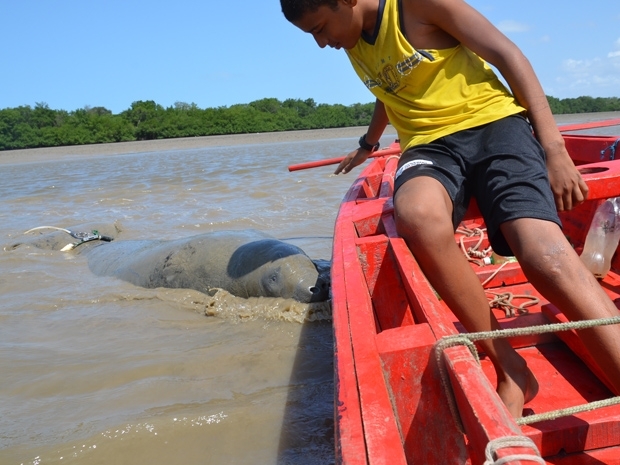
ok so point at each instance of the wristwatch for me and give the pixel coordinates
(366, 146)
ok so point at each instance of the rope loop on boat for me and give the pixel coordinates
(468, 339)
(441, 345)
(490, 451)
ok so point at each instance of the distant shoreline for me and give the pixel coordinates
(52, 154)
(121, 148)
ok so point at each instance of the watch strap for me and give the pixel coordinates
(366, 146)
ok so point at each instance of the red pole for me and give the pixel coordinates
(334, 161)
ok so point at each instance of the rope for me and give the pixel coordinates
(511, 441)
(503, 301)
(473, 253)
(81, 236)
(468, 339)
(564, 412)
(499, 268)
(48, 227)
(612, 150)
(441, 345)
(538, 329)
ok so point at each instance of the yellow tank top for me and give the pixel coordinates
(428, 94)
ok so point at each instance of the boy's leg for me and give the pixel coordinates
(555, 269)
(423, 213)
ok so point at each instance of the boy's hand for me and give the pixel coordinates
(568, 187)
(353, 159)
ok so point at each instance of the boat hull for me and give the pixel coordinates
(391, 404)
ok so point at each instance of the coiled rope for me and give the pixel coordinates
(500, 300)
(503, 301)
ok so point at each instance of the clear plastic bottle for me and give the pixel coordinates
(602, 239)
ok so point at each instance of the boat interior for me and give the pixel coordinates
(395, 326)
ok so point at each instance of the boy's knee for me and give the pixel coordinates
(539, 244)
(419, 221)
(548, 257)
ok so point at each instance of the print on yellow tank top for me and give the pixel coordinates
(428, 94)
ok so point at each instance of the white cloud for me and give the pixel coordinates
(512, 26)
(594, 77)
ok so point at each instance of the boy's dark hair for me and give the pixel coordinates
(294, 10)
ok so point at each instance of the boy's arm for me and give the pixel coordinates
(375, 129)
(465, 24)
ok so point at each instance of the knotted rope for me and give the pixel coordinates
(473, 253)
(503, 301)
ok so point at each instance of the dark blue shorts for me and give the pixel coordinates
(500, 164)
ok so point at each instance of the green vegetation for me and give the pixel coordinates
(583, 105)
(26, 127)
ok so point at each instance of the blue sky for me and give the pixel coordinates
(76, 53)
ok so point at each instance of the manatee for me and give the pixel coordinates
(245, 263)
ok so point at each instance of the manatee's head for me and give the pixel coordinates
(295, 277)
(271, 268)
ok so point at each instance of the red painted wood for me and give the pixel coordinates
(389, 302)
(349, 436)
(427, 426)
(590, 149)
(482, 413)
(390, 404)
(602, 179)
(608, 456)
(591, 125)
(383, 443)
(572, 340)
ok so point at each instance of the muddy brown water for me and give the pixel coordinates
(94, 370)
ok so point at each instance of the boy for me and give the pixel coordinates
(463, 134)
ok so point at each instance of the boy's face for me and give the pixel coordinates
(340, 28)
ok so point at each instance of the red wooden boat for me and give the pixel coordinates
(393, 406)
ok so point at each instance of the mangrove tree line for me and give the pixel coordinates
(41, 126)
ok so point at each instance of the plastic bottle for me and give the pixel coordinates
(602, 239)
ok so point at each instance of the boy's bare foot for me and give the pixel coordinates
(517, 390)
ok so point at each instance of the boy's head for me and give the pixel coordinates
(334, 23)
(294, 10)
